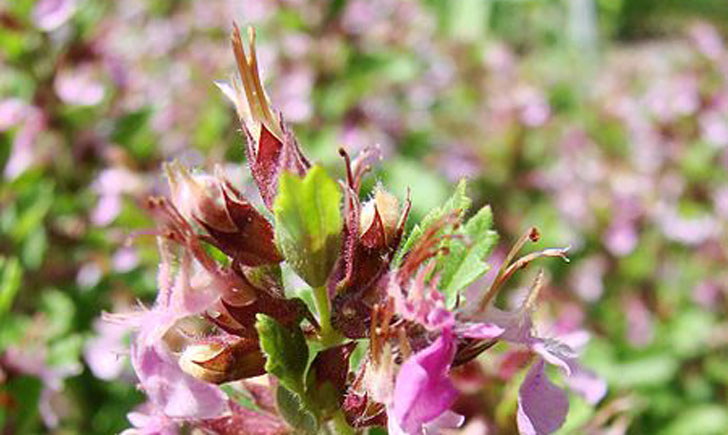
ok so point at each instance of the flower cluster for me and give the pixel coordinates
(228, 307)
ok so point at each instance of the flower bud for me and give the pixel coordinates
(220, 362)
(198, 197)
(386, 206)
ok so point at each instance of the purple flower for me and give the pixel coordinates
(542, 406)
(423, 391)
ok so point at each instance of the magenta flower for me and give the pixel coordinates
(423, 391)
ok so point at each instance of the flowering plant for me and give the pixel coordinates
(382, 322)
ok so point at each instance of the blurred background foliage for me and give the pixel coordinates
(602, 122)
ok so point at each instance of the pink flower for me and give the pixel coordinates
(423, 303)
(423, 391)
(170, 390)
(79, 86)
(51, 14)
(23, 153)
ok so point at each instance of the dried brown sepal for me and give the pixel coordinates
(271, 147)
(252, 241)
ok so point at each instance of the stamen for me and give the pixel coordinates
(533, 235)
(349, 173)
(404, 345)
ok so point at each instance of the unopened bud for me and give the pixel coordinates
(387, 205)
(199, 197)
(218, 363)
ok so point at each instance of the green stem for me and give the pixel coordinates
(329, 336)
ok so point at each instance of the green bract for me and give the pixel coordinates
(308, 224)
(286, 352)
(458, 202)
(464, 263)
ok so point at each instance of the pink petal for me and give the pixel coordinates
(423, 391)
(542, 406)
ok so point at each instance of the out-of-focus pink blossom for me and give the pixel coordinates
(51, 14)
(534, 109)
(32, 361)
(24, 153)
(708, 40)
(110, 185)
(457, 162)
(621, 237)
(639, 322)
(124, 259)
(714, 129)
(79, 86)
(88, 275)
(293, 95)
(12, 111)
(720, 201)
(707, 294)
(587, 279)
(105, 352)
(689, 231)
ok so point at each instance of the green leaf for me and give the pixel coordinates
(12, 275)
(60, 312)
(240, 397)
(464, 263)
(308, 223)
(286, 352)
(65, 351)
(700, 419)
(295, 412)
(458, 201)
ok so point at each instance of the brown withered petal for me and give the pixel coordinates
(225, 361)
